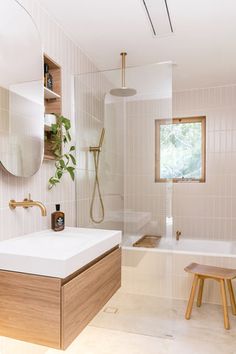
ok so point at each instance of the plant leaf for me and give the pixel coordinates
(59, 174)
(57, 153)
(71, 172)
(66, 156)
(54, 128)
(66, 123)
(59, 138)
(62, 163)
(73, 159)
(68, 136)
(52, 182)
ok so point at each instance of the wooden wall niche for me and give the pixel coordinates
(52, 103)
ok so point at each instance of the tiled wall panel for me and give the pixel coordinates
(207, 210)
(83, 101)
(147, 204)
(58, 46)
(93, 113)
(199, 210)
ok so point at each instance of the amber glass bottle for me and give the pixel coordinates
(58, 219)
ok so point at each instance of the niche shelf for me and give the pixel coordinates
(52, 103)
(50, 95)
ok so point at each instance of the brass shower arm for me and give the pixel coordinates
(123, 55)
(123, 91)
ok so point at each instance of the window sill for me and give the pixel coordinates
(163, 180)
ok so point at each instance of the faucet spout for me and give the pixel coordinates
(40, 205)
(177, 235)
(28, 203)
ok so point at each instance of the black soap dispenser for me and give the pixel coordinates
(58, 219)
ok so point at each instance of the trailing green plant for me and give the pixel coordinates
(65, 159)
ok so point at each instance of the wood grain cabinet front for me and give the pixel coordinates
(53, 311)
(86, 294)
(30, 308)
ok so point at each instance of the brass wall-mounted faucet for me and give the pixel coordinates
(28, 203)
(177, 235)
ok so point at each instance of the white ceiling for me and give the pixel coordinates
(202, 46)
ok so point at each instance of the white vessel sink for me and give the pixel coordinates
(56, 254)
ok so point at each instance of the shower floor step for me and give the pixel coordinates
(148, 241)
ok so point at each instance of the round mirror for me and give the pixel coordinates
(21, 91)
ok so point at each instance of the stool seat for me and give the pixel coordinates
(222, 275)
(211, 271)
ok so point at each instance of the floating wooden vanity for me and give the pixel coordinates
(52, 311)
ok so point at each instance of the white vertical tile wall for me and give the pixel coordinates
(58, 46)
(208, 210)
(199, 210)
(92, 114)
(147, 204)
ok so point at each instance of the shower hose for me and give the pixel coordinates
(96, 186)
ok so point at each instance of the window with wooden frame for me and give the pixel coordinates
(180, 150)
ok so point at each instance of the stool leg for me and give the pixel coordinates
(191, 298)
(200, 291)
(231, 294)
(224, 302)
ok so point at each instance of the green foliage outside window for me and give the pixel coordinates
(181, 151)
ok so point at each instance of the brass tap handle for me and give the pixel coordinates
(28, 200)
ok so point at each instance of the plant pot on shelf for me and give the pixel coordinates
(50, 119)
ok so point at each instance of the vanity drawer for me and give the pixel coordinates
(53, 311)
(87, 293)
(30, 308)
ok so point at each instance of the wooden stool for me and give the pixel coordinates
(222, 275)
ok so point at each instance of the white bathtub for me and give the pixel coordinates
(188, 246)
(160, 271)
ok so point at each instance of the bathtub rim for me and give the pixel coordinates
(172, 251)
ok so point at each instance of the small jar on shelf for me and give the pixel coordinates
(48, 79)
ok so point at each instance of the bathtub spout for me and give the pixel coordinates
(177, 235)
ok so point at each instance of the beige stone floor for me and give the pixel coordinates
(137, 324)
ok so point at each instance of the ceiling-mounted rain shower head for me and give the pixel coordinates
(123, 91)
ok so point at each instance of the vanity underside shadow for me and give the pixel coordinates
(53, 311)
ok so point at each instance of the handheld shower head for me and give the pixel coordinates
(102, 137)
(96, 156)
(99, 147)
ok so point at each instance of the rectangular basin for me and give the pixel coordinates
(56, 254)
